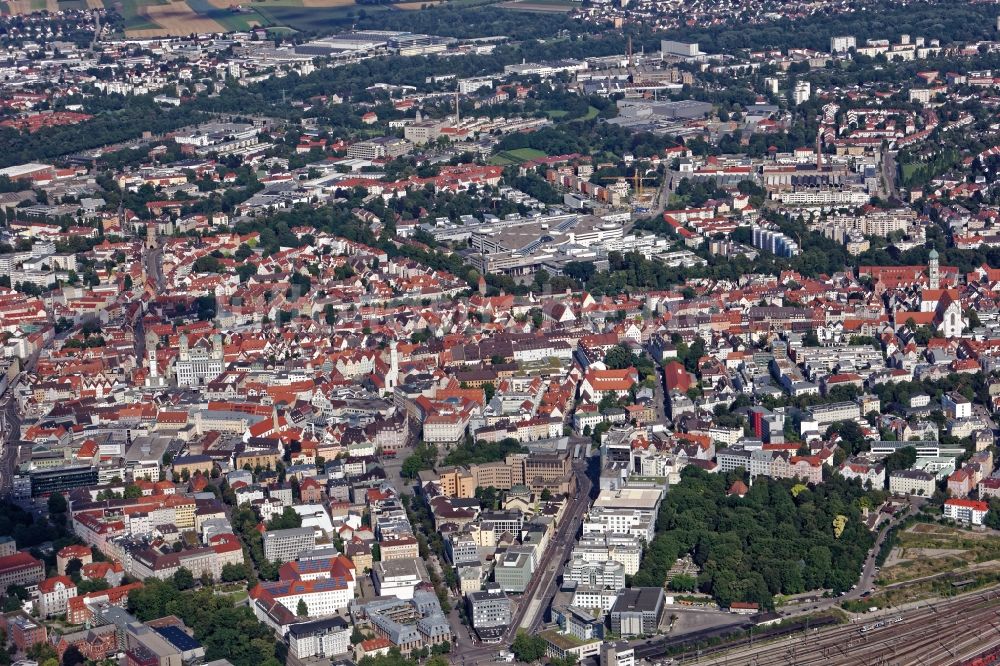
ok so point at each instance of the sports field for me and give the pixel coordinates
(544, 6)
(516, 156)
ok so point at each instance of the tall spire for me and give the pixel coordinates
(933, 270)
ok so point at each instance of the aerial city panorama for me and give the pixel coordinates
(485, 332)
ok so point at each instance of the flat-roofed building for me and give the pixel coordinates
(287, 545)
(637, 611)
(398, 578)
(491, 614)
(324, 638)
(513, 571)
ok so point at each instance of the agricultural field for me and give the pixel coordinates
(318, 16)
(162, 18)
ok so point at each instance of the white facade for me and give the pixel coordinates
(321, 597)
(966, 511)
(320, 643)
(802, 92)
(911, 482)
(53, 598)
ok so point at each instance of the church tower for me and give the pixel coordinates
(218, 351)
(392, 377)
(933, 270)
(153, 378)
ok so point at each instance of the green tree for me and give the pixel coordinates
(618, 358)
(850, 432)
(288, 519)
(527, 647)
(73, 568)
(992, 518)
(424, 457)
(683, 583)
(232, 572)
(41, 652)
(57, 503)
(301, 609)
(183, 579)
(900, 459)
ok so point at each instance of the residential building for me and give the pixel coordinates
(22, 630)
(53, 595)
(912, 482)
(967, 511)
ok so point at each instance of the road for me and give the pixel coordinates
(10, 432)
(557, 554)
(154, 268)
(659, 394)
(671, 179)
(531, 606)
(889, 174)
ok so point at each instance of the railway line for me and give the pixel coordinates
(934, 635)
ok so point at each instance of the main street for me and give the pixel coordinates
(557, 553)
(530, 607)
(10, 434)
(889, 169)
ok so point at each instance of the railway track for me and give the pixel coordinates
(939, 635)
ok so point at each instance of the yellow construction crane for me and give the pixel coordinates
(636, 178)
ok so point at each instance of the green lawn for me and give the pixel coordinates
(516, 156)
(909, 167)
(524, 154)
(561, 114)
